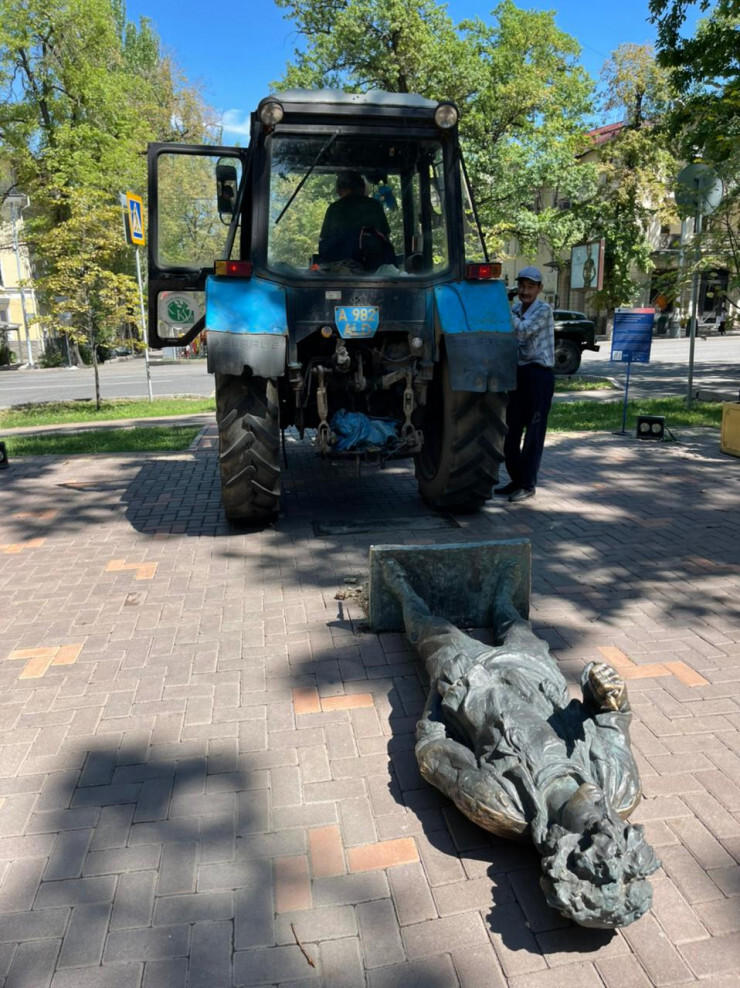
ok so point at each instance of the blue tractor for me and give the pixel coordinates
(338, 270)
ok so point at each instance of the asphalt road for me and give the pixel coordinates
(716, 369)
(124, 378)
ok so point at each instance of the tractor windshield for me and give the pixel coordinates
(357, 206)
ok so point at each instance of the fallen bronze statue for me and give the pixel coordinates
(500, 737)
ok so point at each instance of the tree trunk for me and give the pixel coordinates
(94, 357)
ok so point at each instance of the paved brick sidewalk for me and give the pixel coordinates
(206, 764)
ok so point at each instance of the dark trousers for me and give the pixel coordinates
(526, 416)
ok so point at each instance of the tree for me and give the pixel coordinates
(705, 69)
(705, 120)
(85, 286)
(84, 90)
(517, 81)
(636, 172)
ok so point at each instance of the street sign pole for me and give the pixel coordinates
(699, 189)
(133, 227)
(694, 306)
(143, 326)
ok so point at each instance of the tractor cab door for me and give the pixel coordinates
(198, 213)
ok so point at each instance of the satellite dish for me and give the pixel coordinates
(699, 189)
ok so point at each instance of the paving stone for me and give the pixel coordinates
(85, 937)
(411, 895)
(20, 885)
(75, 892)
(147, 944)
(689, 877)
(436, 971)
(37, 924)
(134, 900)
(437, 935)
(326, 852)
(254, 917)
(660, 958)
(175, 909)
(177, 871)
(274, 964)
(622, 972)
(559, 947)
(292, 883)
(710, 958)
(169, 973)
(314, 925)
(478, 966)
(579, 976)
(122, 859)
(210, 955)
(341, 964)
(68, 857)
(33, 964)
(110, 976)
(379, 935)
(350, 889)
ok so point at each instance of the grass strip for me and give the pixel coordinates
(66, 412)
(582, 384)
(143, 439)
(606, 416)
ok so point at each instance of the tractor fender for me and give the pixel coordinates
(246, 326)
(473, 322)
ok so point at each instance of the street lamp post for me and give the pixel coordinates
(19, 202)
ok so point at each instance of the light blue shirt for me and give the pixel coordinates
(535, 333)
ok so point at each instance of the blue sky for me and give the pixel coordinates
(236, 49)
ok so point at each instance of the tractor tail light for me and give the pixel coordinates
(234, 269)
(482, 272)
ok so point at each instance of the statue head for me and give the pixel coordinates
(597, 876)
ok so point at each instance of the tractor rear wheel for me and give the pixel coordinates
(248, 447)
(464, 432)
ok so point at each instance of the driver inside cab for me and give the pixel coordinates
(355, 232)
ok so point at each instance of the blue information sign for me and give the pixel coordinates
(632, 335)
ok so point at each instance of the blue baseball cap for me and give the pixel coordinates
(531, 274)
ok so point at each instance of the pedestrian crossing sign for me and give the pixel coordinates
(133, 210)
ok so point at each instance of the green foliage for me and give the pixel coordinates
(7, 356)
(54, 354)
(83, 91)
(704, 68)
(516, 79)
(705, 121)
(636, 171)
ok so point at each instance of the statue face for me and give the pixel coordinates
(585, 808)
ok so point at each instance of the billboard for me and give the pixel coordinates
(587, 266)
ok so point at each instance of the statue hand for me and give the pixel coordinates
(429, 730)
(607, 686)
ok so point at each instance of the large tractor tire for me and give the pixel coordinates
(463, 445)
(248, 447)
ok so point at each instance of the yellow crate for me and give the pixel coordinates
(730, 434)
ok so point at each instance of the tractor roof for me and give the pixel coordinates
(375, 97)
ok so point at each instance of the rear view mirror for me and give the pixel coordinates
(226, 187)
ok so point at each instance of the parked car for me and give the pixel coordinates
(574, 333)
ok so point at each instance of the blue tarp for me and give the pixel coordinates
(358, 431)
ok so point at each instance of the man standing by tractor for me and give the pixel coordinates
(529, 405)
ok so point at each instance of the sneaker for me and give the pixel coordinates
(522, 494)
(506, 489)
